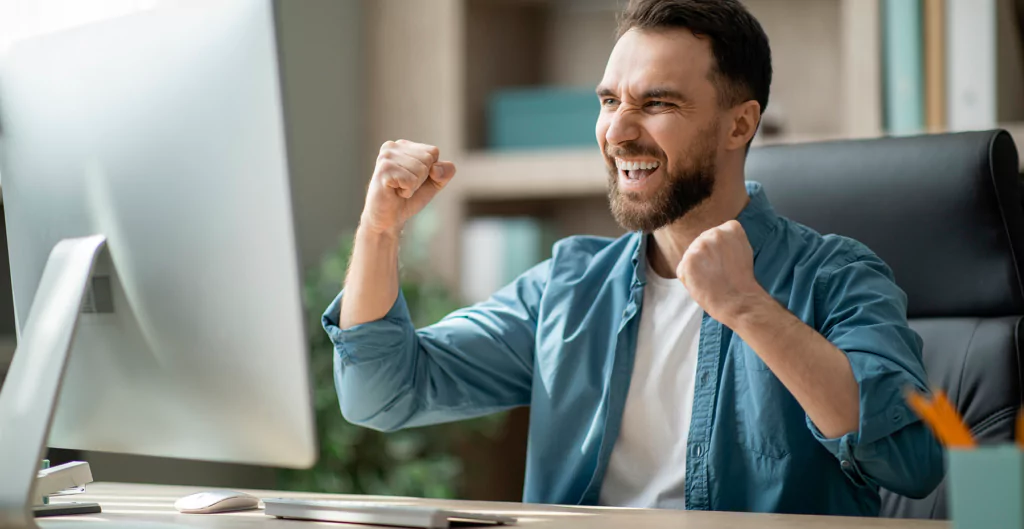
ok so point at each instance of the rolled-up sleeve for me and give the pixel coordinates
(475, 361)
(862, 311)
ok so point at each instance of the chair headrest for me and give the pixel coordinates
(943, 211)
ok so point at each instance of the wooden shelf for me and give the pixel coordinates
(554, 173)
(789, 139)
(574, 173)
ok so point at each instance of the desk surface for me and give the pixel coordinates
(155, 503)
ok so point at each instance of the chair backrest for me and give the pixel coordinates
(944, 212)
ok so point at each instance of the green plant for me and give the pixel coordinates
(420, 462)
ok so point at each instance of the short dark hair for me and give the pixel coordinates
(743, 59)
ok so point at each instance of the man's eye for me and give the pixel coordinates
(608, 102)
(657, 104)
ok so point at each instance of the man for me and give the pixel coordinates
(717, 357)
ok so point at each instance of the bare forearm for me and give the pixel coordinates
(816, 372)
(371, 286)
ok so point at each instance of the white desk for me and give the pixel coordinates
(154, 503)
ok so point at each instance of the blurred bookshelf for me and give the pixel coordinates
(510, 72)
(501, 86)
(529, 166)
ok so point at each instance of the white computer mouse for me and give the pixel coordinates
(212, 501)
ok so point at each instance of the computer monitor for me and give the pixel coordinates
(143, 169)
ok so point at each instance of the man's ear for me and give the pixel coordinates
(745, 118)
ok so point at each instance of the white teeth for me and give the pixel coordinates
(633, 166)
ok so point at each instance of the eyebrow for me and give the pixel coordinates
(664, 93)
(654, 93)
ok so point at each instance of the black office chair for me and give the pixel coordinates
(944, 211)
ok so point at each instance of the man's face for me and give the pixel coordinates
(658, 127)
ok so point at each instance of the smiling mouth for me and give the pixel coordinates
(636, 170)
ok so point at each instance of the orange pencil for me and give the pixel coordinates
(1020, 428)
(924, 409)
(958, 430)
(942, 418)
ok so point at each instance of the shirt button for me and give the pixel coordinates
(896, 415)
(704, 378)
(698, 451)
(845, 464)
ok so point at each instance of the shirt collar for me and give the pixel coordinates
(758, 219)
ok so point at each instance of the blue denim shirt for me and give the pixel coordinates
(561, 340)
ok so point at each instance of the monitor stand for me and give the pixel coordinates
(32, 386)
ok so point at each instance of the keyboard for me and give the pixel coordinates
(379, 513)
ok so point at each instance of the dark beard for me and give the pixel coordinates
(685, 188)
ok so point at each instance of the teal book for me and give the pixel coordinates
(903, 66)
(542, 117)
(528, 241)
(497, 250)
(522, 246)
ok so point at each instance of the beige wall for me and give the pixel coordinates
(323, 60)
(579, 37)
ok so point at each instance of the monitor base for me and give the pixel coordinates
(33, 383)
(65, 509)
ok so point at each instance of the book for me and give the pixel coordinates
(935, 65)
(542, 117)
(971, 64)
(903, 77)
(497, 250)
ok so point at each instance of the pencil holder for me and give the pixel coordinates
(986, 487)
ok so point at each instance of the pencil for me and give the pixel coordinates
(959, 432)
(1020, 428)
(942, 418)
(923, 408)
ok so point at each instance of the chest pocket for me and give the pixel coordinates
(769, 420)
(746, 357)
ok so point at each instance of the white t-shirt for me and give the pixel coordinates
(648, 462)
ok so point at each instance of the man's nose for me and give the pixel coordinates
(623, 128)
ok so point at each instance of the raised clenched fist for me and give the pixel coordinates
(718, 271)
(405, 179)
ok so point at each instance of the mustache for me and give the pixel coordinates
(633, 149)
